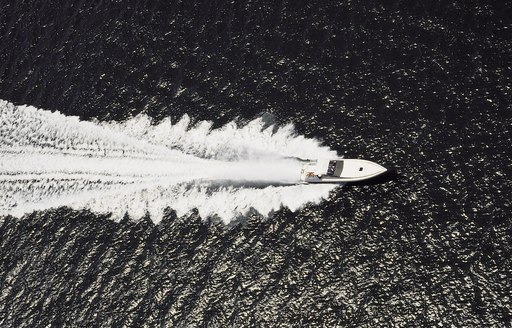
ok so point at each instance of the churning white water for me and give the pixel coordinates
(50, 160)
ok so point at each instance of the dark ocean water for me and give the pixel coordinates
(421, 86)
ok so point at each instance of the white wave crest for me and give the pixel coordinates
(139, 166)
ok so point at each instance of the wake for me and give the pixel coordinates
(137, 167)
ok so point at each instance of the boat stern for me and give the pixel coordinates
(307, 174)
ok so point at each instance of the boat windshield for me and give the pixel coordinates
(335, 168)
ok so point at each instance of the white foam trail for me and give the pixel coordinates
(227, 143)
(49, 160)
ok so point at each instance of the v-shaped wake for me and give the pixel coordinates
(49, 160)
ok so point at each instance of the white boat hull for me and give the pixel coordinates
(340, 170)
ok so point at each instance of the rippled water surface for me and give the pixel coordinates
(424, 87)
